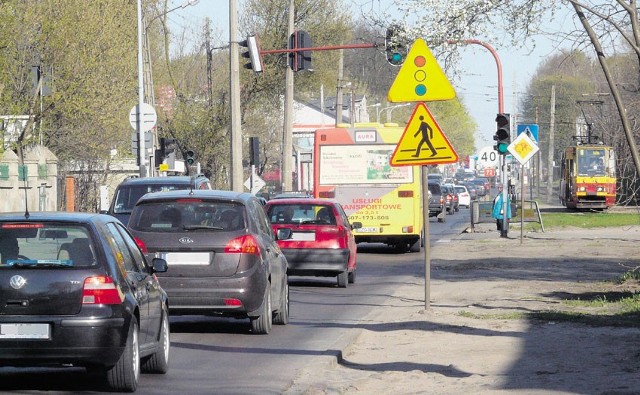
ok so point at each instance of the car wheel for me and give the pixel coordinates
(352, 277)
(261, 325)
(124, 375)
(158, 362)
(282, 315)
(343, 279)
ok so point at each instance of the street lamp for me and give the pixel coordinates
(141, 148)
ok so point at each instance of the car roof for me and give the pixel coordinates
(196, 193)
(301, 200)
(55, 216)
(161, 180)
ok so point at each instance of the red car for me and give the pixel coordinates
(322, 243)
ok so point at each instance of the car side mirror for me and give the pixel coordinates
(356, 225)
(159, 265)
(284, 234)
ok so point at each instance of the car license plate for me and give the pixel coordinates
(186, 258)
(303, 236)
(367, 230)
(25, 331)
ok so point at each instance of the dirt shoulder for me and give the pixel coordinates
(506, 316)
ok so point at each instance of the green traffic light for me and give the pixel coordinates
(502, 148)
(396, 58)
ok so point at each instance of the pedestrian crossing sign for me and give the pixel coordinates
(422, 142)
(420, 78)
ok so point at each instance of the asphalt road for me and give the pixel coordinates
(218, 355)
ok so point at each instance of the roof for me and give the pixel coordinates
(160, 180)
(301, 200)
(196, 193)
(53, 215)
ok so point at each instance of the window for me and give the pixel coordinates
(121, 250)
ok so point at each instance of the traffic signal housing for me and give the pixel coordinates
(191, 157)
(254, 151)
(299, 60)
(503, 134)
(394, 46)
(252, 53)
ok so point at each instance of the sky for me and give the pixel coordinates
(477, 84)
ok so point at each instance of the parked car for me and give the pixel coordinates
(437, 201)
(75, 290)
(222, 254)
(464, 198)
(451, 198)
(131, 189)
(322, 243)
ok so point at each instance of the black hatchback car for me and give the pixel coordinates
(222, 254)
(75, 289)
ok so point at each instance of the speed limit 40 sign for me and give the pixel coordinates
(488, 157)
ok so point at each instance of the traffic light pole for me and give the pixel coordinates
(504, 179)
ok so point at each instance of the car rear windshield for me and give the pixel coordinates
(45, 244)
(187, 215)
(435, 189)
(301, 214)
(128, 195)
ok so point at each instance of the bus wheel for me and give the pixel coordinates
(415, 247)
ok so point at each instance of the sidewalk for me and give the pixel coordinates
(489, 328)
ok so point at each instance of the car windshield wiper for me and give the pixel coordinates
(39, 263)
(201, 227)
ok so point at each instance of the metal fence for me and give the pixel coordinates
(529, 212)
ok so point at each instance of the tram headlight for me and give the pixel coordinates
(582, 189)
(600, 188)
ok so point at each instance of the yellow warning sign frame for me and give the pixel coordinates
(420, 78)
(423, 142)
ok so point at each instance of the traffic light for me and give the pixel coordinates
(394, 45)
(254, 154)
(503, 134)
(191, 157)
(300, 60)
(252, 53)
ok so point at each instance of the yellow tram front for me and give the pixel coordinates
(588, 177)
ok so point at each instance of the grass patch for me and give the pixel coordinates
(616, 308)
(589, 219)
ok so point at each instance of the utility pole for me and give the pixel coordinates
(339, 88)
(552, 126)
(236, 125)
(287, 132)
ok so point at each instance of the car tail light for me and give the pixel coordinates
(189, 200)
(245, 244)
(232, 302)
(22, 226)
(101, 290)
(141, 245)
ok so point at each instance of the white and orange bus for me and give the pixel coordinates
(351, 165)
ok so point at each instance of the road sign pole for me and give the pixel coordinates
(504, 229)
(427, 237)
